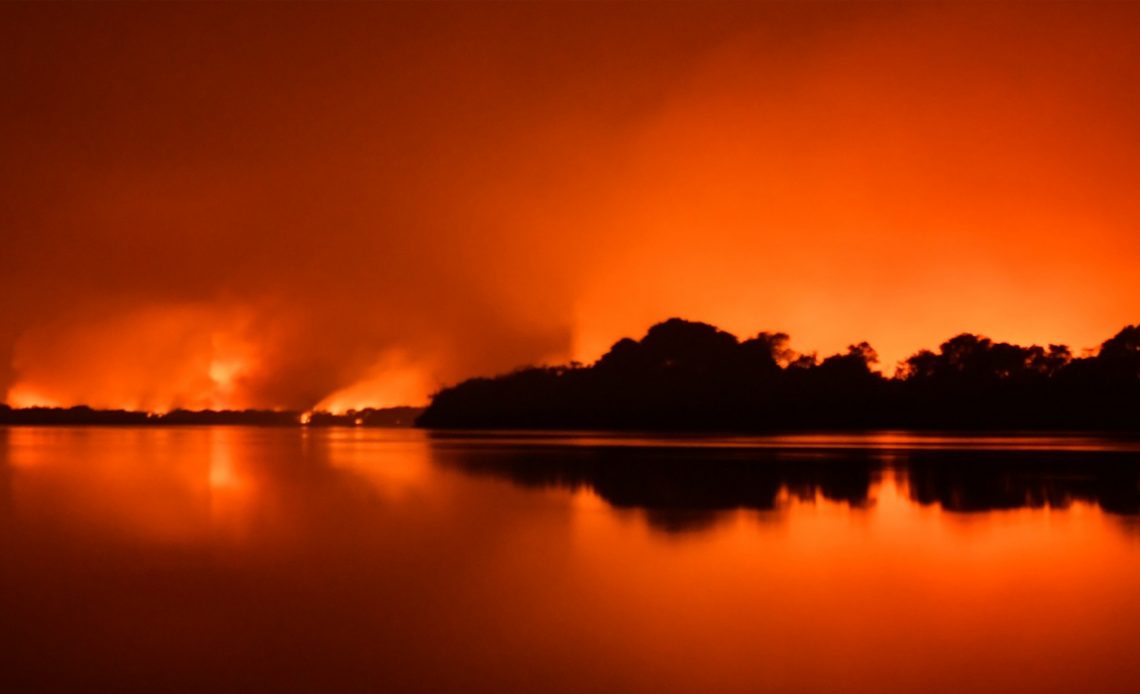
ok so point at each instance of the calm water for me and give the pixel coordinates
(231, 559)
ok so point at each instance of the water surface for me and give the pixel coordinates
(242, 559)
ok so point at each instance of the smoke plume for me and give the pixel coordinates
(343, 205)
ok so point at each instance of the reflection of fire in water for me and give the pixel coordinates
(395, 462)
(230, 490)
(221, 474)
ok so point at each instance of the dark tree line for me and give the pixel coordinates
(687, 375)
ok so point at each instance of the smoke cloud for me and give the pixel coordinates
(349, 205)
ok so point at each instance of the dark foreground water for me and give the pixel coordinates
(233, 559)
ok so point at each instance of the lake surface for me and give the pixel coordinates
(246, 559)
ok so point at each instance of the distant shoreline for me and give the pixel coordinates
(87, 416)
(686, 376)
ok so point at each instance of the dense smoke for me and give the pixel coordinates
(286, 206)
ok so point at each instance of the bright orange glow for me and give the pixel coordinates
(389, 383)
(24, 396)
(269, 223)
(153, 358)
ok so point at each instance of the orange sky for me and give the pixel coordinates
(282, 206)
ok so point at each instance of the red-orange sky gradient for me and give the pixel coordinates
(272, 205)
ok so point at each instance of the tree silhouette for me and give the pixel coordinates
(690, 375)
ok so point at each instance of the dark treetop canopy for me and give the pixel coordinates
(687, 375)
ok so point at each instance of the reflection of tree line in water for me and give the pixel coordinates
(683, 488)
(686, 375)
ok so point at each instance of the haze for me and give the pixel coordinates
(290, 206)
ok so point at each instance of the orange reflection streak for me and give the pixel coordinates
(163, 485)
(871, 440)
(394, 462)
(232, 490)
